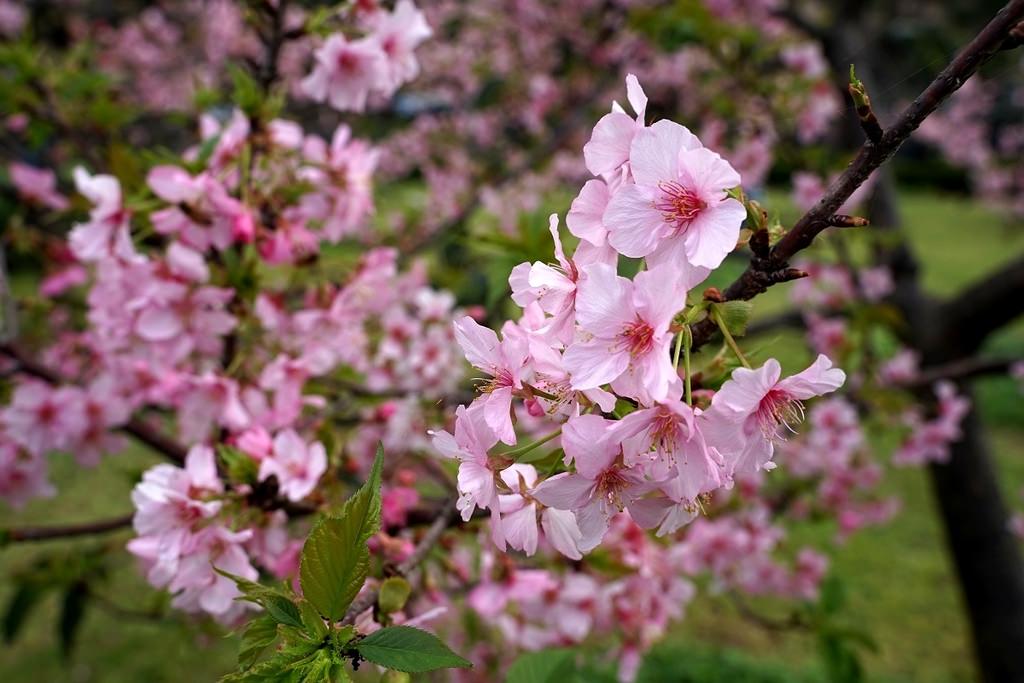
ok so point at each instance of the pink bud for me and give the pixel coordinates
(242, 228)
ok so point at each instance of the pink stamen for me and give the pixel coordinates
(610, 484)
(679, 205)
(637, 337)
(779, 411)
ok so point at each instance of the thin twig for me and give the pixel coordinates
(965, 368)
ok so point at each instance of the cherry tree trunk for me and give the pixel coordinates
(986, 555)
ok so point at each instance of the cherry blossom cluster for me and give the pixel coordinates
(163, 57)
(591, 340)
(347, 72)
(172, 325)
(833, 455)
(979, 131)
(930, 437)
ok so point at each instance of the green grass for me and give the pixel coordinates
(899, 583)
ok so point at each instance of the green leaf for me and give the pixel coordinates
(343, 636)
(288, 664)
(258, 635)
(71, 612)
(546, 666)
(335, 558)
(392, 594)
(312, 621)
(408, 649)
(735, 315)
(282, 610)
(273, 670)
(25, 598)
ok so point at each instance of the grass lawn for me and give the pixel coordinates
(898, 579)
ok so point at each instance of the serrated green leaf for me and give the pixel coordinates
(273, 670)
(282, 610)
(312, 620)
(546, 666)
(259, 634)
(393, 594)
(335, 558)
(408, 649)
(319, 670)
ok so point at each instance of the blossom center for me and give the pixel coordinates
(502, 378)
(779, 410)
(348, 61)
(679, 205)
(610, 484)
(664, 429)
(637, 337)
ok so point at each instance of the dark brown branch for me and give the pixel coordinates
(135, 427)
(985, 306)
(444, 519)
(762, 273)
(963, 369)
(46, 533)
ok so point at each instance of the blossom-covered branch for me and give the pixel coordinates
(135, 427)
(763, 272)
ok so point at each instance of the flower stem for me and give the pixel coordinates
(728, 338)
(516, 453)
(686, 362)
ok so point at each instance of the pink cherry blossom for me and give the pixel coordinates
(586, 215)
(677, 210)
(506, 362)
(476, 480)
(399, 32)
(552, 287)
(41, 418)
(666, 440)
(601, 487)
(609, 145)
(37, 185)
(23, 476)
(106, 234)
(520, 513)
(297, 466)
(346, 71)
(754, 408)
(625, 326)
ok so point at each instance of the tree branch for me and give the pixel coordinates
(963, 369)
(135, 427)
(444, 519)
(762, 273)
(45, 533)
(985, 306)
